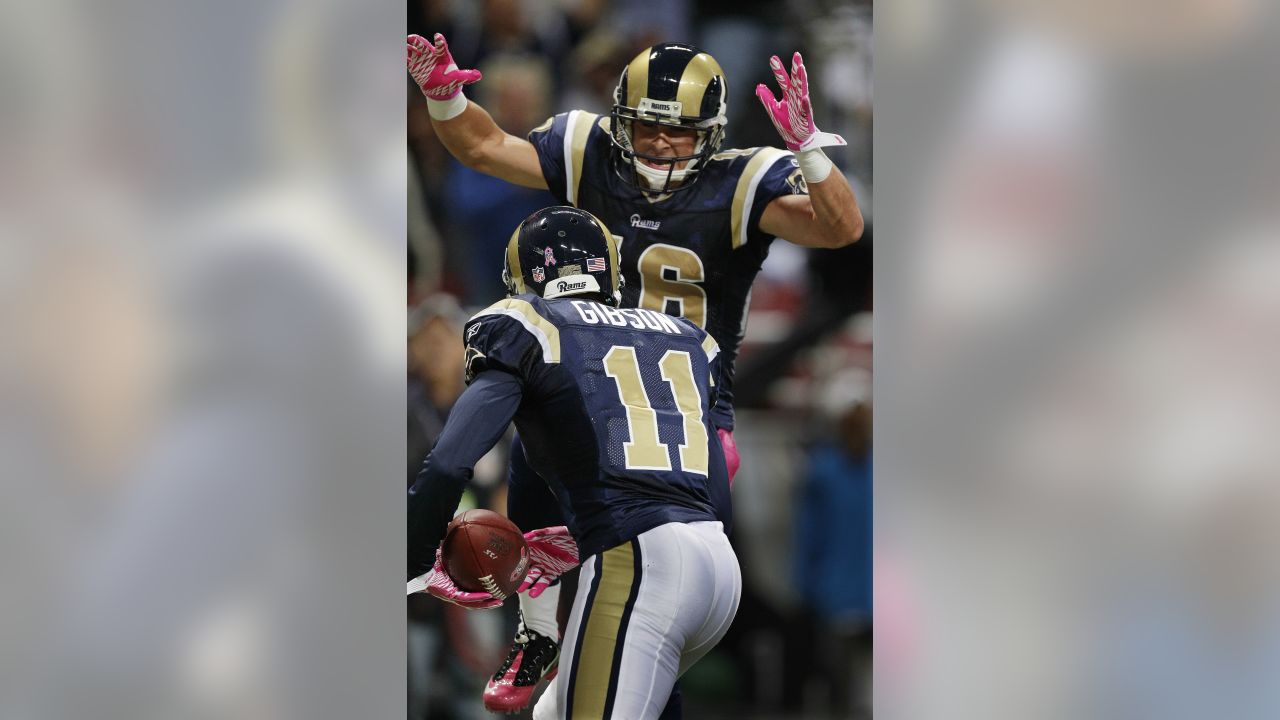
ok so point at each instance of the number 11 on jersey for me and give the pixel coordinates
(643, 451)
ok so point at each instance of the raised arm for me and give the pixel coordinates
(465, 128)
(828, 216)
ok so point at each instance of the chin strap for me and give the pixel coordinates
(657, 178)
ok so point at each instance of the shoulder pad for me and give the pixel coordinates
(578, 126)
(510, 335)
(760, 161)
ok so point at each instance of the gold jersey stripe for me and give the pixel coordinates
(547, 334)
(599, 640)
(575, 147)
(744, 194)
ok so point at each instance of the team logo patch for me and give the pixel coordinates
(550, 257)
(472, 363)
(797, 183)
(595, 264)
(539, 275)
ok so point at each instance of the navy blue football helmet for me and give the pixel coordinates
(559, 251)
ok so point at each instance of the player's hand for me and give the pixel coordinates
(793, 115)
(731, 459)
(437, 583)
(433, 68)
(552, 553)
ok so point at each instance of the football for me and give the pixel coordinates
(485, 552)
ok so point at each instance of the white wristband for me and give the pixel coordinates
(447, 109)
(814, 165)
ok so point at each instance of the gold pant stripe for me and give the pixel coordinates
(598, 641)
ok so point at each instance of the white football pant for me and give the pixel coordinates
(645, 612)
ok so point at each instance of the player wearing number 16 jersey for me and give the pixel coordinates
(615, 409)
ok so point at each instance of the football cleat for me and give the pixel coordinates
(532, 659)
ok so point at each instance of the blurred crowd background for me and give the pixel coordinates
(801, 644)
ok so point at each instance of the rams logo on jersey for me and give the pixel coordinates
(797, 184)
(472, 363)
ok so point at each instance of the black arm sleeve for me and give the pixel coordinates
(475, 425)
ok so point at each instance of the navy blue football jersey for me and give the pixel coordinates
(614, 411)
(692, 253)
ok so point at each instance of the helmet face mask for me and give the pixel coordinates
(657, 174)
(563, 251)
(675, 86)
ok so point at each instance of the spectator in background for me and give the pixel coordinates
(435, 372)
(649, 22)
(482, 209)
(435, 366)
(482, 31)
(594, 67)
(449, 649)
(426, 252)
(435, 356)
(843, 41)
(832, 563)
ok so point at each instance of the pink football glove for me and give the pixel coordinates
(437, 583)
(731, 459)
(793, 115)
(552, 553)
(432, 67)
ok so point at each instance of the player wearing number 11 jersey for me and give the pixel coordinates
(615, 409)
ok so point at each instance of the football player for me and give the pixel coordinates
(694, 220)
(615, 409)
